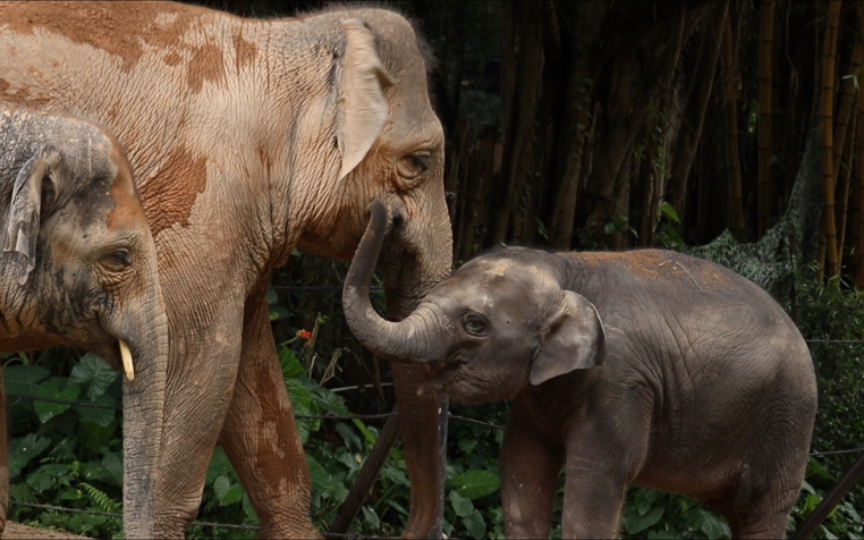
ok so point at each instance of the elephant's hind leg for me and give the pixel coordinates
(260, 436)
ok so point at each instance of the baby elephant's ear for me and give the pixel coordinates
(574, 340)
(22, 230)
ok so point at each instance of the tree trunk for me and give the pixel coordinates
(694, 114)
(766, 42)
(736, 208)
(518, 138)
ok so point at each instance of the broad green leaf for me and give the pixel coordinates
(352, 441)
(291, 367)
(102, 416)
(21, 451)
(71, 494)
(92, 371)
(50, 389)
(643, 499)
(40, 481)
(113, 463)
(708, 523)
(322, 481)
(475, 524)
(634, 523)
(462, 505)
(475, 484)
(219, 464)
(21, 379)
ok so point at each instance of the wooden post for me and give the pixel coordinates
(367, 475)
(832, 499)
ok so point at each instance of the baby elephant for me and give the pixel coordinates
(648, 368)
(78, 267)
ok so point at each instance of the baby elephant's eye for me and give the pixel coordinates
(117, 260)
(475, 324)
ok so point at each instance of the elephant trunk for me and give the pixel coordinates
(146, 334)
(415, 338)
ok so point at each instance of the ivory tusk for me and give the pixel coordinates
(126, 356)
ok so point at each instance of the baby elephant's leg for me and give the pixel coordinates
(530, 464)
(603, 456)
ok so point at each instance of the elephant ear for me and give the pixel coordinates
(22, 230)
(574, 340)
(362, 107)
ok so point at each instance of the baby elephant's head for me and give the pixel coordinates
(500, 322)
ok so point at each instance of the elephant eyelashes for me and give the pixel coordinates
(413, 165)
(475, 324)
(117, 260)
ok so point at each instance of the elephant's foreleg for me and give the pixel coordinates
(529, 479)
(199, 387)
(418, 427)
(260, 436)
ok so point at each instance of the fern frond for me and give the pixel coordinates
(102, 500)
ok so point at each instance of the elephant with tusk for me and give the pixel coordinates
(78, 268)
(250, 139)
(646, 367)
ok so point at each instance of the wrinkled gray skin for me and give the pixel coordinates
(78, 268)
(648, 368)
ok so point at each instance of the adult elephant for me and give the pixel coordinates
(249, 139)
(78, 267)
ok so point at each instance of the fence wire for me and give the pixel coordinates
(337, 536)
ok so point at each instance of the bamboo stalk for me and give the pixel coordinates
(736, 209)
(845, 178)
(847, 101)
(766, 42)
(829, 59)
(859, 149)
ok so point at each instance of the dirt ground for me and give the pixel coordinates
(17, 530)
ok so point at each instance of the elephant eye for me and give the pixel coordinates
(117, 260)
(413, 165)
(475, 324)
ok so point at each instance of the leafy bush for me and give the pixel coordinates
(70, 456)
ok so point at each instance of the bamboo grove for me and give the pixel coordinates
(629, 124)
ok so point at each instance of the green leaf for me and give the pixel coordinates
(669, 211)
(291, 367)
(40, 480)
(220, 486)
(368, 435)
(21, 451)
(475, 484)
(634, 523)
(708, 523)
(461, 504)
(92, 371)
(467, 445)
(644, 499)
(50, 389)
(22, 378)
(371, 517)
(98, 415)
(475, 524)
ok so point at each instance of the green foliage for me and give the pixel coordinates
(70, 456)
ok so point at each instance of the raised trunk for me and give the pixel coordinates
(409, 339)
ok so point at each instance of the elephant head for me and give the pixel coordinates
(498, 324)
(78, 268)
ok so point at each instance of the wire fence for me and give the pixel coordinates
(364, 417)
